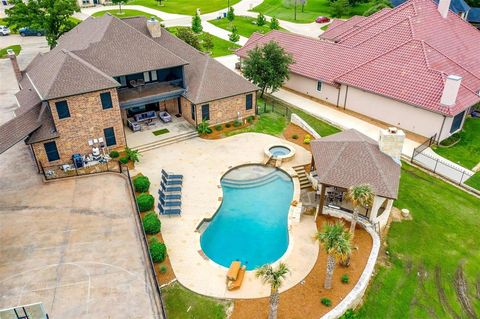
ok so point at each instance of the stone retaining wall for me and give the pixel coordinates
(297, 120)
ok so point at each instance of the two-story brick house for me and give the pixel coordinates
(104, 72)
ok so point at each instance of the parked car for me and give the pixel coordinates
(322, 19)
(4, 30)
(30, 32)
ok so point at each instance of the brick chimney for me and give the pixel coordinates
(154, 27)
(443, 7)
(16, 68)
(391, 142)
(450, 90)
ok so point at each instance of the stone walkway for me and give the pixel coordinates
(203, 163)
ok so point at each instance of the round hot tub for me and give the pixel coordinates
(281, 152)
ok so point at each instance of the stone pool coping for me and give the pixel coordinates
(203, 163)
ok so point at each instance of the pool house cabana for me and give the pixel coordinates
(348, 159)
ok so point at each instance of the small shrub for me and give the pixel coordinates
(250, 119)
(307, 139)
(132, 155)
(326, 302)
(123, 160)
(145, 202)
(295, 136)
(228, 125)
(237, 123)
(163, 269)
(349, 314)
(114, 154)
(345, 279)
(157, 250)
(218, 127)
(151, 223)
(141, 184)
(203, 128)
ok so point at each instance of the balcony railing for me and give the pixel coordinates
(150, 93)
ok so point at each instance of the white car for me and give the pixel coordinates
(4, 30)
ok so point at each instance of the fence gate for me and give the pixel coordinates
(419, 149)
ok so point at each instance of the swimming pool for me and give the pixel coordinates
(251, 225)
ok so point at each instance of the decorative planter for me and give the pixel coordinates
(405, 212)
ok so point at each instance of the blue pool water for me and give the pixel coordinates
(279, 150)
(252, 222)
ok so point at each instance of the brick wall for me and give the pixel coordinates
(87, 121)
(221, 111)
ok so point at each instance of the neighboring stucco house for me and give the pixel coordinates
(106, 71)
(416, 67)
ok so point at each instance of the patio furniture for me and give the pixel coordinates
(166, 188)
(149, 115)
(133, 125)
(165, 117)
(169, 196)
(233, 270)
(169, 211)
(171, 182)
(237, 283)
(171, 176)
(170, 203)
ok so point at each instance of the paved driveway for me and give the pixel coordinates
(71, 244)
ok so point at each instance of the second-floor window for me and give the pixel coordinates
(106, 99)
(62, 109)
(248, 102)
(319, 86)
(205, 112)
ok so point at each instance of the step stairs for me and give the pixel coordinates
(164, 142)
(302, 177)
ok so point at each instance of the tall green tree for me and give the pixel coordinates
(336, 241)
(53, 16)
(197, 23)
(187, 35)
(360, 196)
(273, 277)
(267, 66)
(274, 24)
(234, 36)
(230, 14)
(340, 8)
(261, 20)
(119, 2)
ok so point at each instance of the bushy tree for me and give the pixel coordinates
(197, 23)
(230, 14)
(187, 35)
(267, 66)
(141, 184)
(234, 36)
(274, 24)
(145, 202)
(151, 223)
(119, 2)
(340, 8)
(208, 44)
(157, 250)
(51, 16)
(261, 20)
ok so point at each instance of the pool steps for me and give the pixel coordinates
(248, 183)
(302, 176)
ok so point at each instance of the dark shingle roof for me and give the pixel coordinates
(350, 158)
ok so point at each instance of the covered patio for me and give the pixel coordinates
(348, 159)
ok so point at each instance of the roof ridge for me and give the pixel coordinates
(90, 66)
(339, 153)
(378, 166)
(202, 82)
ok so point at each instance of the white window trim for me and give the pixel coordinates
(153, 75)
(146, 76)
(321, 86)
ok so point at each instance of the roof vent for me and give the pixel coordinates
(450, 90)
(154, 27)
(443, 7)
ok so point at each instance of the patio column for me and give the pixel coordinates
(322, 201)
(377, 203)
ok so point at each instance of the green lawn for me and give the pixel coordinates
(16, 48)
(426, 252)
(245, 25)
(185, 6)
(221, 47)
(181, 303)
(321, 127)
(284, 10)
(467, 151)
(126, 13)
(474, 181)
(325, 27)
(267, 123)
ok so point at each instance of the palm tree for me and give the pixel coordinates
(360, 196)
(336, 241)
(274, 277)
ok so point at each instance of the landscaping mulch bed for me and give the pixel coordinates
(293, 129)
(215, 135)
(303, 300)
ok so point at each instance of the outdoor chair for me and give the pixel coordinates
(169, 196)
(166, 188)
(169, 211)
(237, 283)
(171, 176)
(170, 203)
(171, 182)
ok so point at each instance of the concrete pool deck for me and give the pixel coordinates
(203, 163)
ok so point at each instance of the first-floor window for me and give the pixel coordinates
(319, 86)
(457, 122)
(249, 102)
(205, 112)
(192, 109)
(109, 136)
(52, 151)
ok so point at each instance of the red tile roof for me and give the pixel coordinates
(404, 53)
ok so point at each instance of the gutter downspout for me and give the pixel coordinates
(338, 95)
(441, 129)
(345, 102)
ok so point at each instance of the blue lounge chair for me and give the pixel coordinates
(166, 188)
(170, 203)
(169, 196)
(169, 211)
(171, 176)
(172, 181)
